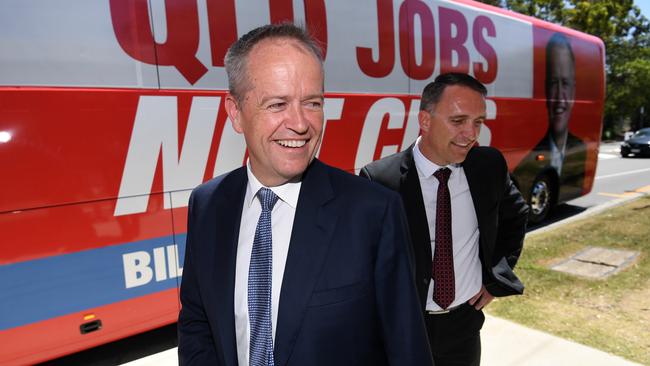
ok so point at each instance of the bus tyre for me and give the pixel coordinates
(541, 199)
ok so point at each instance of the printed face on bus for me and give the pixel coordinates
(452, 126)
(560, 90)
(281, 114)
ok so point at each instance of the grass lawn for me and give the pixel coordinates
(610, 314)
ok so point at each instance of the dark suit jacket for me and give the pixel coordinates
(570, 182)
(348, 296)
(500, 210)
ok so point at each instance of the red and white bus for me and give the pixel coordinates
(112, 111)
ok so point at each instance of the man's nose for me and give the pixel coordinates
(470, 130)
(296, 119)
(561, 91)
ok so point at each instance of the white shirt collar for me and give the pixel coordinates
(556, 149)
(426, 167)
(287, 192)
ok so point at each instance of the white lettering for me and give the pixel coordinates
(136, 269)
(173, 265)
(332, 111)
(485, 136)
(232, 149)
(159, 264)
(412, 130)
(392, 107)
(139, 270)
(155, 129)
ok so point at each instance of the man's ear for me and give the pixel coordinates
(232, 108)
(424, 118)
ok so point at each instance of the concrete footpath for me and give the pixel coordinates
(509, 344)
(504, 344)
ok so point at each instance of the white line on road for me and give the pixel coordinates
(624, 173)
(606, 156)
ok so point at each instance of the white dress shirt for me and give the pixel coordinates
(464, 227)
(282, 217)
(557, 155)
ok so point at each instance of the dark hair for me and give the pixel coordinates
(558, 40)
(237, 56)
(433, 91)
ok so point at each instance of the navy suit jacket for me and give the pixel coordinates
(347, 297)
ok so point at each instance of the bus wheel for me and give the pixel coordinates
(541, 199)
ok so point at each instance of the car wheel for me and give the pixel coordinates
(541, 199)
(625, 155)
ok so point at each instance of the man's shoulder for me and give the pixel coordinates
(389, 170)
(209, 187)
(573, 140)
(486, 154)
(485, 161)
(390, 163)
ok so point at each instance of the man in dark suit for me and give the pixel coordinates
(466, 217)
(559, 156)
(289, 261)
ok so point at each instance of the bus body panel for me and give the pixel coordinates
(54, 337)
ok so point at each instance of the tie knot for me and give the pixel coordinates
(442, 175)
(267, 198)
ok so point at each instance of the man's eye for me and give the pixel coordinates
(277, 106)
(315, 104)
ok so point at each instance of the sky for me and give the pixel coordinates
(644, 5)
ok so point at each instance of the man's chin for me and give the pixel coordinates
(559, 123)
(293, 172)
(459, 157)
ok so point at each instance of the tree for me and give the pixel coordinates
(492, 2)
(626, 34)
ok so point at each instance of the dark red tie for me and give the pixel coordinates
(443, 257)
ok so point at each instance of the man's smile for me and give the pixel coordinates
(291, 143)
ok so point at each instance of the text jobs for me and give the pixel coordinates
(451, 35)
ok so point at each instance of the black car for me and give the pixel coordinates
(638, 144)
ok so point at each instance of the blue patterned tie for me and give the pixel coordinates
(259, 285)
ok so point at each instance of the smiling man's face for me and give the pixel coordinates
(560, 90)
(281, 115)
(450, 130)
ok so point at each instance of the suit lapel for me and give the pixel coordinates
(227, 213)
(473, 180)
(411, 193)
(313, 227)
(479, 190)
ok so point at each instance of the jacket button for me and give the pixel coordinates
(425, 281)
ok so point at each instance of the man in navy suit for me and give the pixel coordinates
(460, 202)
(331, 259)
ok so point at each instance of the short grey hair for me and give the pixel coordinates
(237, 56)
